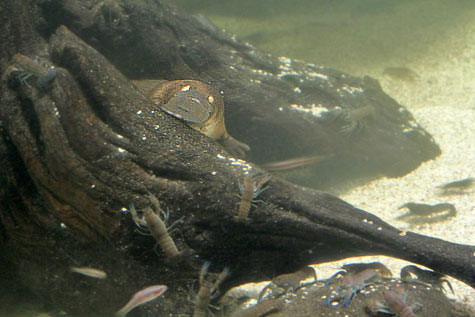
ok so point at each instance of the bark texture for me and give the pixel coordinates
(81, 144)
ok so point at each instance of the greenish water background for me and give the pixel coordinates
(350, 35)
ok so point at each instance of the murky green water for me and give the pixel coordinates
(350, 35)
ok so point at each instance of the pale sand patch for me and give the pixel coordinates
(454, 131)
(442, 100)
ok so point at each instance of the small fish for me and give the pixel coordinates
(146, 295)
(294, 163)
(89, 271)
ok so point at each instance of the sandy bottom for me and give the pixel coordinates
(442, 100)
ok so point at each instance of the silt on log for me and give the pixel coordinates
(76, 152)
(311, 110)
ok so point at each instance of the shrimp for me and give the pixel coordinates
(424, 213)
(250, 190)
(433, 278)
(207, 290)
(290, 281)
(27, 68)
(457, 187)
(152, 221)
(354, 119)
(359, 267)
(394, 303)
(159, 230)
(397, 303)
(355, 268)
(352, 283)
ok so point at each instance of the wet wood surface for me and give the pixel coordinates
(79, 148)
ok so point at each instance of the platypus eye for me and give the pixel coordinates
(186, 88)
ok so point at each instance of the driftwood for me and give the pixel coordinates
(150, 40)
(81, 144)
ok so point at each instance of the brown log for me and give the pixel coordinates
(152, 40)
(77, 151)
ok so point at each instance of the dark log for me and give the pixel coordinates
(79, 147)
(149, 39)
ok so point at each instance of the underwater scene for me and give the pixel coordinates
(237, 158)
